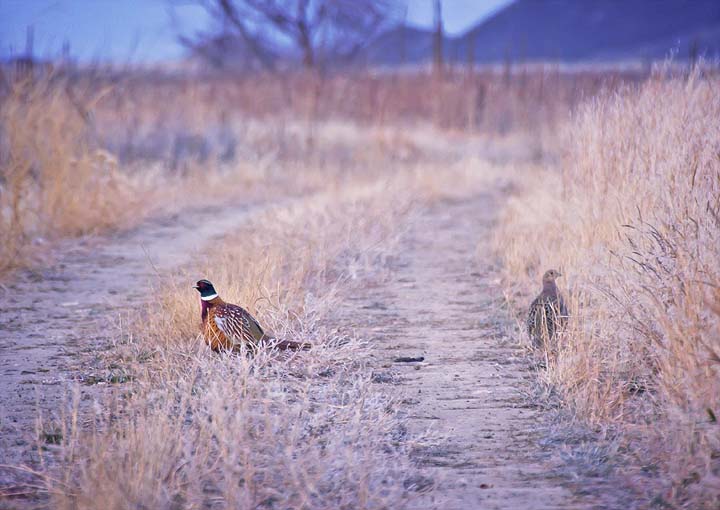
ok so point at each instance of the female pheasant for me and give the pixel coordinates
(227, 326)
(548, 312)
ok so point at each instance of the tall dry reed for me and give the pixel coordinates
(633, 221)
(54, 181)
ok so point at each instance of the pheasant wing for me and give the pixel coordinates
(237, 324)
(254, 328)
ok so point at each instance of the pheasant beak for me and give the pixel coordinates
(195, 287)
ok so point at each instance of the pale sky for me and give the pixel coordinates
(142, 30)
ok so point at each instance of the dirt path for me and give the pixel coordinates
(54, 322)
(444, 303)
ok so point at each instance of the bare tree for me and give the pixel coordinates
(317, 32)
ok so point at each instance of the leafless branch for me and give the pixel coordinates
(321, 33)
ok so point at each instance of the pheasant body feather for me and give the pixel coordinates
(228, 326)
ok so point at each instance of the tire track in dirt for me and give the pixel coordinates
(444, 302)
(55, 322)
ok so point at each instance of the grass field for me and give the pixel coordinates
(88, 151)
(613, 178)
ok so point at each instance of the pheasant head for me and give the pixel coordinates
(208, 297)
(548, 280)
(206, 290)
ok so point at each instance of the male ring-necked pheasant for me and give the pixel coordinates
(227, 326)
(548, 312)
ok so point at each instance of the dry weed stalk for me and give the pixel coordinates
(633, 220)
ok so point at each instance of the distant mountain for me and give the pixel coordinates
(569, 31)
(400, 45)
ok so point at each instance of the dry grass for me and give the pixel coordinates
(306, 430)
(82, 151)
(633, 221)
(519, 98)
(53, 180)
(57, 179)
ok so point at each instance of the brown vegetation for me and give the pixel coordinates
(54, 180)
(631, 218)
(632, 221)
(306, 429)
(84, 151)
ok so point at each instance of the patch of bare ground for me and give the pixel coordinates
(56, 325)
(475, 388)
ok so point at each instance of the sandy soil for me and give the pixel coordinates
(473, 388)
